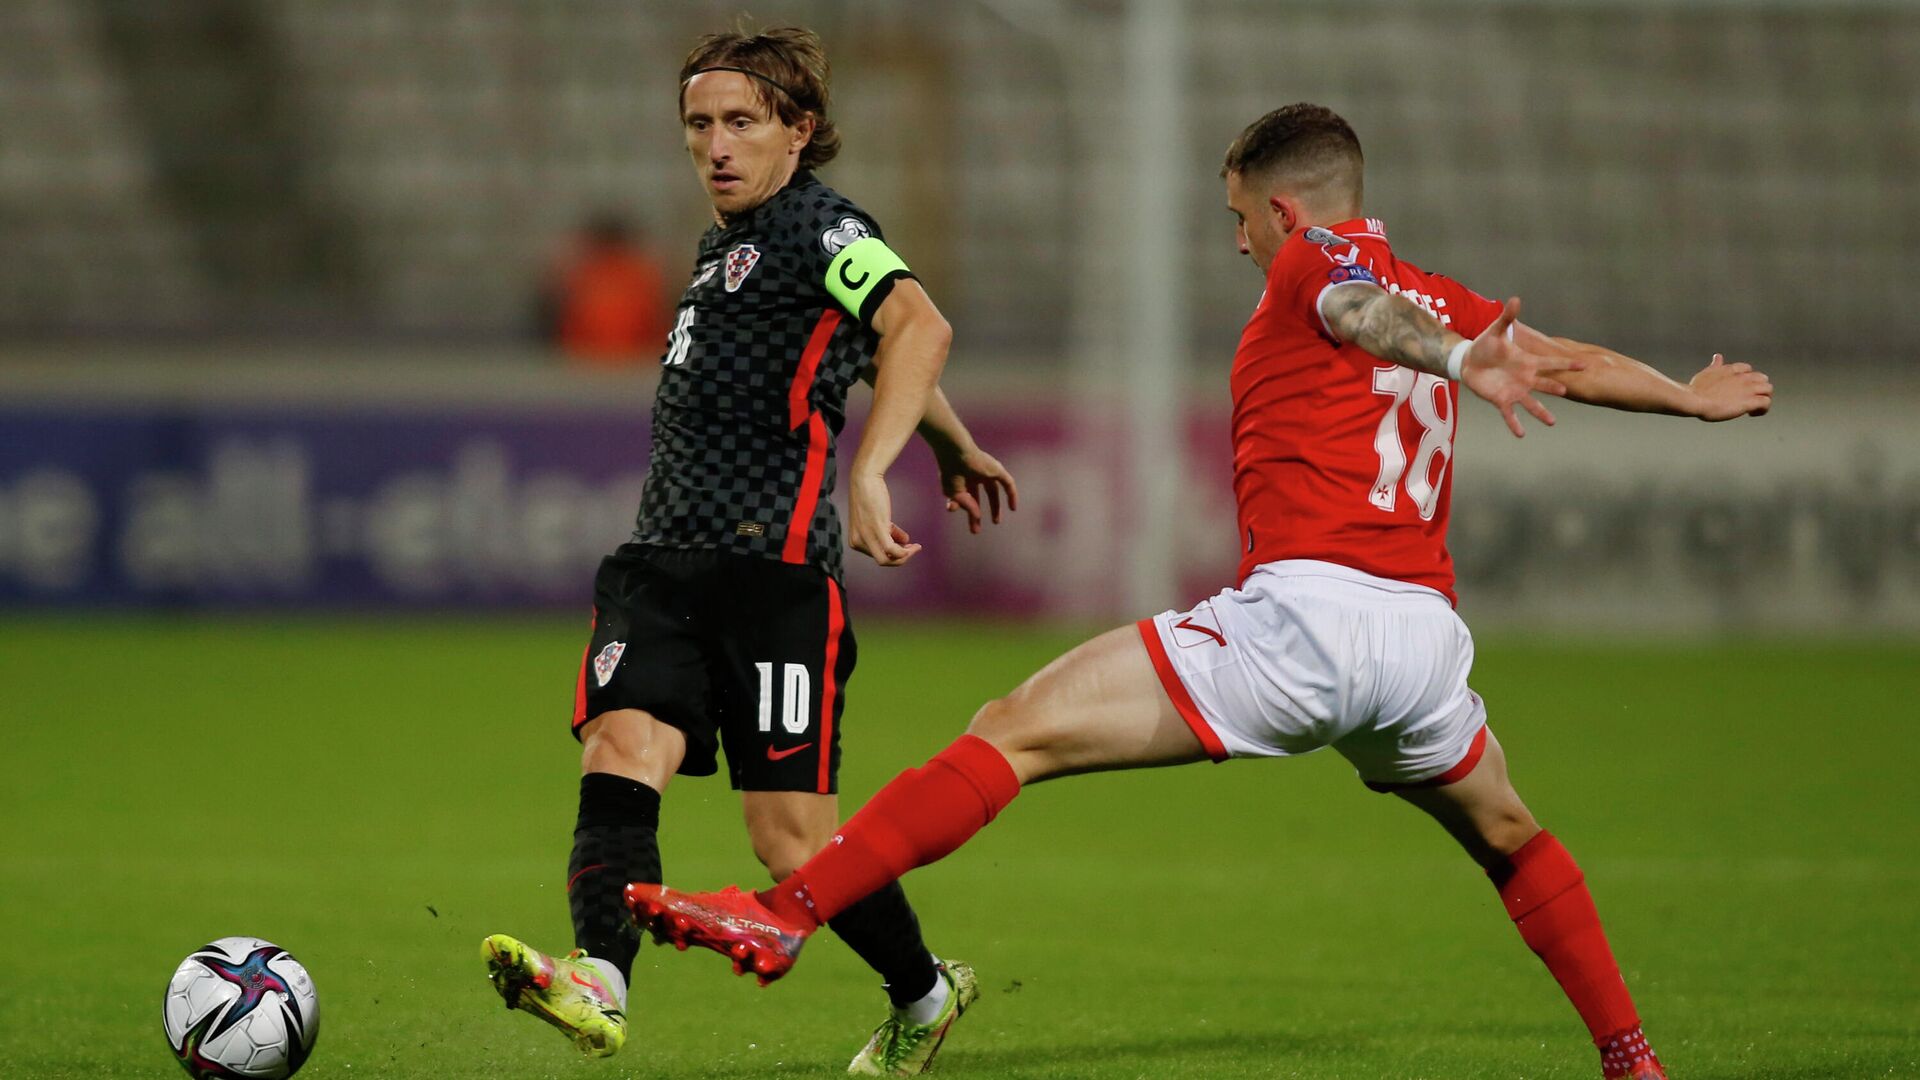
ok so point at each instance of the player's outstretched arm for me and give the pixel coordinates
(1720, 391)
(966, 472)
(913, 349)
(1492, 365)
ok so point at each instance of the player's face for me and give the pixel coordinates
(1256, 223)
(742, 151)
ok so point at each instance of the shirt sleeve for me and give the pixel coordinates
(1469, 312)
(1306, 267)
(851, 260)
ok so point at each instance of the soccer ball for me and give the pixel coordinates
(241, 1007)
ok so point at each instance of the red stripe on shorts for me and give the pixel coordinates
(836, 624)
(580, 690)
(1459, 772)
(580, 687)
(1464, 766)
(1177, 690)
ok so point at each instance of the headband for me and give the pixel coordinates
(791, 96)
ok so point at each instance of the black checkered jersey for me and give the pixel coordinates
(768, 337)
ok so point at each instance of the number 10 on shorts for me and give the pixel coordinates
(795, 690)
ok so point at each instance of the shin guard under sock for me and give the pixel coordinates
(615, 842)
(884, 931)
(1546, 896)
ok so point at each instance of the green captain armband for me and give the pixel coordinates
(862, 275)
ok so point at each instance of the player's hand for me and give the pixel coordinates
(873, 533)
(1507, 375)
(967, 475)
(1724, 391)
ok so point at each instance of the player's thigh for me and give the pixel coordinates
(1099, 707)
(1482, 811)
(785, 653)
(633, 744)
(645, 666)
(788, 827)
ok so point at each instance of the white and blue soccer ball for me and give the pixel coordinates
(241, 1007)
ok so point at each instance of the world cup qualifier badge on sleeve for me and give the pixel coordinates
(843, 234)
(1338, 249)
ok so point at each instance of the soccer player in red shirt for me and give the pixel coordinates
(1341, 632)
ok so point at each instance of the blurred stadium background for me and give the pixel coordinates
(267, 312)
(272, 375)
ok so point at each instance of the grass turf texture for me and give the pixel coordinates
(376, 797)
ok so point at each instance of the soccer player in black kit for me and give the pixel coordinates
(722, 626)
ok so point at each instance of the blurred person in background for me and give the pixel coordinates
(723, 626)
(605, 301)
(1342, 631)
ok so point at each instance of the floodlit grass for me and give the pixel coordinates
(377, 796)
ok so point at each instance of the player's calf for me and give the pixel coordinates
(1546, 896)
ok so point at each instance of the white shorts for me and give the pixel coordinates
(1306, 654)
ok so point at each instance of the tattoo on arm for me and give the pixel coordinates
(1390, 327)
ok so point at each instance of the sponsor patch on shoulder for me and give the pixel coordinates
(608, 659)
(1351, 273)
(844, 234)
(1325, 237)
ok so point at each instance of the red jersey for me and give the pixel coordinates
(1338, 455)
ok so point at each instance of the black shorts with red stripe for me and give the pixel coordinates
(742, 653)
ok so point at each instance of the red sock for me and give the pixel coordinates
(921, 817)
(1546, 896)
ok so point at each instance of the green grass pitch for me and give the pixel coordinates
(378, 796)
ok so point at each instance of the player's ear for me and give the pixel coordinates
(802, 132)
(1286, 212)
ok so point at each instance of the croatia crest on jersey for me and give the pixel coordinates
(608, 659)
(740, 262)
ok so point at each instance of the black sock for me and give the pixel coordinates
(884, 931)
(614, 843)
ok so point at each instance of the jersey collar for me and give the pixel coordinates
(1350, 229)
(1360, 226)
(800, 178)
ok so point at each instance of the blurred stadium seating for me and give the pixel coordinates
(1659, 174)
(297, 205)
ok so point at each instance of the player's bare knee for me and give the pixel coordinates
(1017, 732)
(1508, 829)
(781, 866)
(631, 743)
(1012, 725)
(782, 849)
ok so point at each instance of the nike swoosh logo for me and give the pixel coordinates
(778, 755)
(1188, 624)
(591, 984)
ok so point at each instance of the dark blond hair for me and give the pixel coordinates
(1307, 147)
(790, 75)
